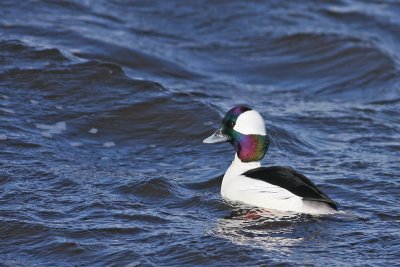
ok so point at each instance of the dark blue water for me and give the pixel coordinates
(104, 104)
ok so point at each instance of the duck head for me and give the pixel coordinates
(244, 128)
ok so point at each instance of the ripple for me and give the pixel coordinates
(138, 61)
(150, 187)
(30, 55)
(13, 230)
(288, 140)
(128, 91)
(212, 183)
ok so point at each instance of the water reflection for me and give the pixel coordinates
(263, 229)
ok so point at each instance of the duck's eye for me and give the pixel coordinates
(231, 124)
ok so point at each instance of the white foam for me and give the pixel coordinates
(93, 131)
(50, 129)
(75, 144)
(46, 134)
(6, 110)
(109, 144)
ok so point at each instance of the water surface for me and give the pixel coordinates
(103, 106)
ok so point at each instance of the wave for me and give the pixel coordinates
(104, 106)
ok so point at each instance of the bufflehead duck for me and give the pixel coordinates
(277, 188)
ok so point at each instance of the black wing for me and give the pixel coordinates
(292, 181)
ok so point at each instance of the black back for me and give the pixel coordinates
(292, 181)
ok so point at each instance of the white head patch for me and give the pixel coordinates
(250, 122)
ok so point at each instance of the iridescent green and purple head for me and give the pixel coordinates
(244, 128)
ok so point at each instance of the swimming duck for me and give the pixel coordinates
(277, 188)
